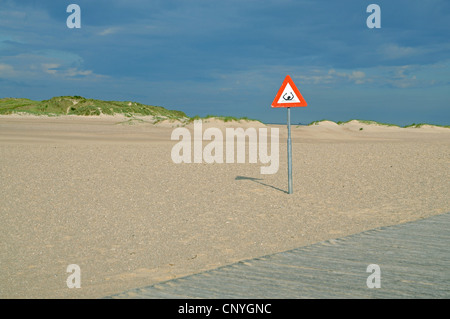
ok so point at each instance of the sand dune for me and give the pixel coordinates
(104, 194)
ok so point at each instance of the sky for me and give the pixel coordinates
(230, 57)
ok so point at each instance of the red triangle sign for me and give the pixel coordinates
(288, 95)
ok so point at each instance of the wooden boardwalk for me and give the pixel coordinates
(414, 261)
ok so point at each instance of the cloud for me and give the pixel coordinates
(45, 65)
(108, 31)
(6, 68)
(50, 68)
(395, 51)
(397, 78)
(73, 72)
(381, 77)
(358, 77)
(318, 76)
(67, 72)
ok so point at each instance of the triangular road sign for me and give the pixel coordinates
(288, 95)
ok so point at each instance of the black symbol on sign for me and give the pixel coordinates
(288, 98)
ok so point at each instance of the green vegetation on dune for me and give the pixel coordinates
(379, 123)
(77, 105)
(12, 105)
(368, 123)
(317, 122)
(360, 121)
(223, 118)
(422, 124)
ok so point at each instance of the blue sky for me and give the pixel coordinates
(230, 57)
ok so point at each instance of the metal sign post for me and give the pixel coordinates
(289, 151)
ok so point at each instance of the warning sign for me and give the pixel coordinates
(288, 95)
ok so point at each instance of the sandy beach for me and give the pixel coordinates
(104, 193)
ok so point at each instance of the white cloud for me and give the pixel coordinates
(50, 68)
(39, 67)
(6, 70)
(57, 70)
(75, 72)
(333, 76)
(108, 31)
(357, 77)
(394, 51)
(403, 76)
(396, 76)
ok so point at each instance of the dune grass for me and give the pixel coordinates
(317, 122)
(414, 125)
(78, 105)
(369, 123)
(223, 118)
(361, 121)
(379, 123)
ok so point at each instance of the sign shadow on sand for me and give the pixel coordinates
(257, 180)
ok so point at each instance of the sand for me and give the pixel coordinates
(103, 193)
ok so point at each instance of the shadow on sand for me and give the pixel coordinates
(257, 180)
